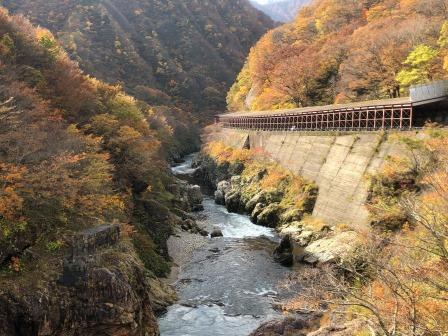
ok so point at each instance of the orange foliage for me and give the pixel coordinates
(339, 51)
(274, 178)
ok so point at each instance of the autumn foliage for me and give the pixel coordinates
(338, 51)
(74, 152)
(396, 281)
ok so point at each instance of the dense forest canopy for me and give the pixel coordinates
(343, 51)
(78, 153)
(75, 152)
(178, 52)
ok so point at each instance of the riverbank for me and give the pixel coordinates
(233, 285)
(181, 247)
(227, 285)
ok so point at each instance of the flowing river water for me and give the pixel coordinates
(229, 284)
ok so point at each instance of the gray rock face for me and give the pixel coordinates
(92, 239)
(233, 201)
(331, 249)
(216, 233)
(222, 189)
(258, 198)
(189, 196)
(103, 290)
(269, 216)
(257, 210)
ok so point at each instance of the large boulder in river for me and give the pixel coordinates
(284, 252)
(216, 233)
(195, 197)
(220, 198)
(269, 216)
(291, 325)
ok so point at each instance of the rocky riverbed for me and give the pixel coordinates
(233, 284)
(226, 285)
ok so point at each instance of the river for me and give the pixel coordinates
(229, 284)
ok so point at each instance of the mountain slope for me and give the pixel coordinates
(281, 11)
(80, 159)
(191, 52)
(344, 51)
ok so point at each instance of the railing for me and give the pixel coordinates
(352, 120)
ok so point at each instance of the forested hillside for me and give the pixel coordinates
(76, 153)
(282, 10)
(164, 52)
(343, 51)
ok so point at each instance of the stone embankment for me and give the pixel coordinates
(304, 239)
(338, 164)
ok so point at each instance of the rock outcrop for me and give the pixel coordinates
(188, 197)
(284, 252)
(100, 287)
(293, 325)
(331, 248)
(216, 233)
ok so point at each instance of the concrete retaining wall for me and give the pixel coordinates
(338, 164)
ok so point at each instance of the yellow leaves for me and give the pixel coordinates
(128, 134)
(43, 33)
(223, 153)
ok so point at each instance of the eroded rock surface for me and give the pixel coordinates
(99, 288)
(332, 248)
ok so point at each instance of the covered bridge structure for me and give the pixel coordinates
(427, 102)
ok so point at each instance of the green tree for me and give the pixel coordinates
(418, 66)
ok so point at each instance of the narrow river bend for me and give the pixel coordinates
(228, 285)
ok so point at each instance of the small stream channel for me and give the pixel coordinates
(229, 285)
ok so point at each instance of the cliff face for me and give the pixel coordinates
(191, 51)
(77, 154)
(99, 287)
(338, 164)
